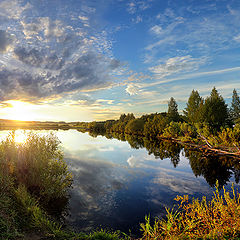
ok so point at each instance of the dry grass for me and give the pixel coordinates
(216, 219)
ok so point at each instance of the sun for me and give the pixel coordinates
(18, 110)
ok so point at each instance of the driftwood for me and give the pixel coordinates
(205, 140)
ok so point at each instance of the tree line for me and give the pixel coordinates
(208, 120)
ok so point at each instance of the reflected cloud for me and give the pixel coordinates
(139, 162)
(94, 188)
(180, 183)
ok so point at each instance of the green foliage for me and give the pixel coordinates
(187, 132)
(235, 106)
(8, 224)
(216, 219)
(135, 126)
(173, 110)
(108, 125)
(32, 174)
(172, 131)
(37, 164)
(192, 111)
(119, 126)
(154, 127)
(105, 235)
(230, 137)
(215, 111)
(97, 127)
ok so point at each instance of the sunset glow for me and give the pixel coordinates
(18, 110)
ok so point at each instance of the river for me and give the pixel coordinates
(117, 182)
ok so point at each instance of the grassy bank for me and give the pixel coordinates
(215, 219)
(34, 174)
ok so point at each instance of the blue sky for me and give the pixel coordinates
(93, 60)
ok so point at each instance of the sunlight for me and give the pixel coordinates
(18, 110)
(20, 137)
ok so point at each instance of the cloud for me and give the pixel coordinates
(135, 6)
(12, 9)
(191, 76)
(182, 183)
(156, 29)
(51, 56)
(93, 181)
(138, 19)
(237, 38)
(5, 41)
(132, 89)
(202, 30)
(177, 65)
(45, 26)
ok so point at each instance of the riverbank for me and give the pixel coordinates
(24, 200)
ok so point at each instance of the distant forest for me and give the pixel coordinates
(204, 121)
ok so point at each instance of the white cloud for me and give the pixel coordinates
(135, 6)
(83, 18)
(237, 38)
(12, 9)
(182, 183)
(177, 65)
(157, 30)
(132, 89)
(191, 76)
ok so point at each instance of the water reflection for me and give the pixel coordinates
(211, 167)
(94, 187)
(118, 179)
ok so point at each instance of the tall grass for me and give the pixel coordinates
(215, 219)
(37, 164)
(32, 175)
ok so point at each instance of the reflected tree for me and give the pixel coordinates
(211, 167)
(164, 149)
(134, 141)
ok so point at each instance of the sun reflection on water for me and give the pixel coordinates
(20, 136)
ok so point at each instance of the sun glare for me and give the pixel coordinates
(18, 110)
(20, 137)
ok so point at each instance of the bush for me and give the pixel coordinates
(37, 164)
(216, 219)
(172, 131)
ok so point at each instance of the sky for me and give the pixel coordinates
(85, 60)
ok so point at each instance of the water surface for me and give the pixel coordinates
(117, 183)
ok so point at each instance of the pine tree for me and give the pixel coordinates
(193, 107)
(235, 107)
(173, 110)
(215, 111)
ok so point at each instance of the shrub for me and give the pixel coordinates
(172, 131)
(37, 164)
(216, 219)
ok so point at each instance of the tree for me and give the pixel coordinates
(192, 111)
(135, 126)
(215, 111)
(173, 110)
(235, 106)
(154, 127)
